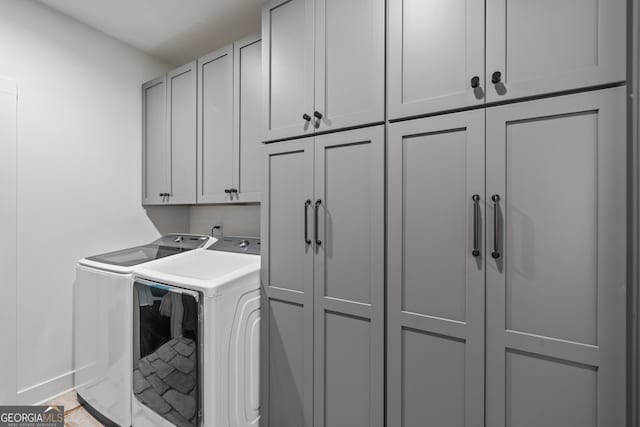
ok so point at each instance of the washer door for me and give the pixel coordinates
(166, 351)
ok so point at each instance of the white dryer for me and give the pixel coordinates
(103, 312)
(196, 351)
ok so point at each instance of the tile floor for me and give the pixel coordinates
(74, 414)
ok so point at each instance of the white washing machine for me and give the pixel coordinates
(196, 351)
(103, 312)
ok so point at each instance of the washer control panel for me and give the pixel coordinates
(242, 245)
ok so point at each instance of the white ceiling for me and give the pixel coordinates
(176, 31)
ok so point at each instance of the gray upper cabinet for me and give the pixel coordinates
(435, 285)
(323, 65)
(156, 150)
(287, 37)
(201, 129)
(181, 111)
(556, 284)
(349, 63)
(436, 56)
(443, 56)
(540, 47)
(169, 138)
(247, 100)
(215, 126)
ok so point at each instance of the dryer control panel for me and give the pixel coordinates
(242, 245)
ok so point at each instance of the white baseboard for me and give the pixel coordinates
(46, 390)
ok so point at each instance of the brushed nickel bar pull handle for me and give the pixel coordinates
(476, 219)
(496, 237)
(315, 222)
(307, 240)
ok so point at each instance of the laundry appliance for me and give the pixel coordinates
(196, 348)
(103, 311)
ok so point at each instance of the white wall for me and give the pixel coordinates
(79, 121)
(8, 220)
(237, 220)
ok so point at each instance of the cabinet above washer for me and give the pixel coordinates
(200, 139)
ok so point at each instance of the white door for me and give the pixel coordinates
(156, 151)
(349, 63)
(215, 126)
(247, 99)
(545, 46)
(435, 282)
(287, 37)
(436, 56)
(556, 277)
(181, 111)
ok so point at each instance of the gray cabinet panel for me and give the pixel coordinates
(349, 62)
(556, 294)
(286, 364)
(347, 371)
(435, 285)
(215, 126)
(429, 161)
(156, 150)
(349, 275)
(247, 136)
(181, 111)
(564, 393)
(289, 178)
(536, 51)
(433, 380)
(435, 48)
(287, 278)
(568, 287)
(287, 36)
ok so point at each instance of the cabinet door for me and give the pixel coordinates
(182, 119)
(247, 161)
(215, 127)
(554, 45)
(156, 150)
(435, 359)
(556, 287)
(436, 48)
(349, 63)
(349, 279)
(287, 283)
(287, 37)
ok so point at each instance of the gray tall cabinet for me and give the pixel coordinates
(506, 230)
(491, 199)
(323, 213)
(508, 278)
(323, 278)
